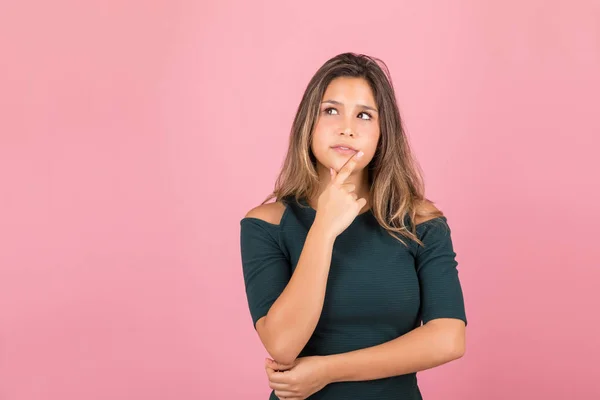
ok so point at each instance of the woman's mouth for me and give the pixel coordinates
(343, 150)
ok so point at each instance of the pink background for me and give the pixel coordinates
(136, 134)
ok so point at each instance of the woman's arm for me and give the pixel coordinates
(435, 343)
(440, 339)
(292, 317)
(291, 320)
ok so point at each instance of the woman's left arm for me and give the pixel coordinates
(435, 343)
(440, 339)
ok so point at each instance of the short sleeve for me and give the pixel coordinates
(441, 292)
(266, 269)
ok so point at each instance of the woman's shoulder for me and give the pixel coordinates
(427, 211)
(270, 213)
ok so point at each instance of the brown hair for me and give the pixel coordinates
(395, 177)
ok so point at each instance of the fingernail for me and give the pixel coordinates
(359, 154)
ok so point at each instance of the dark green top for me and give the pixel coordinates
(377, 289)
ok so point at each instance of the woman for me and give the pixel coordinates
(350, 275)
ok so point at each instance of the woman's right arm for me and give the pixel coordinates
(292, 318)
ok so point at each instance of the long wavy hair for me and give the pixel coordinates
(395, 177)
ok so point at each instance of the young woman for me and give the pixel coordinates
(350, 274)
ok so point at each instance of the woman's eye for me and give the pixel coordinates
(327, 111)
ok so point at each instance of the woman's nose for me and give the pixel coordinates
(348, 132)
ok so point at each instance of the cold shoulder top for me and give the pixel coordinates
(377, 288)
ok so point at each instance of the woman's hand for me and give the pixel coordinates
(297, 381)
(338, 205)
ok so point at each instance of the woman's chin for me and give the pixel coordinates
(337, 164)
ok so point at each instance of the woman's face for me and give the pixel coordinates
(347, 117)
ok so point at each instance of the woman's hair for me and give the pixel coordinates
(394, 175)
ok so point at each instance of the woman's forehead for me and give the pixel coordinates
(349, 91)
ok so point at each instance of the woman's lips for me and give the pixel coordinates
(342, 150)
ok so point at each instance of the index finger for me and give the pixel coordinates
(348, 167)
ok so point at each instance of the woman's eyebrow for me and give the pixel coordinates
(342, 104)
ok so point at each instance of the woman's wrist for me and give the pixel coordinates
(329, 369)
(318, 230)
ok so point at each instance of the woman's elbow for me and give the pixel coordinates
(459, 345)
(281, 352)
(276, 345)
(451, 336)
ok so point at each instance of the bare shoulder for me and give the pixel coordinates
(270, 212)
(426, 211)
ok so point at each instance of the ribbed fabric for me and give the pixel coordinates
(377, 289)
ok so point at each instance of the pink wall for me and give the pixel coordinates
(135, 135)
